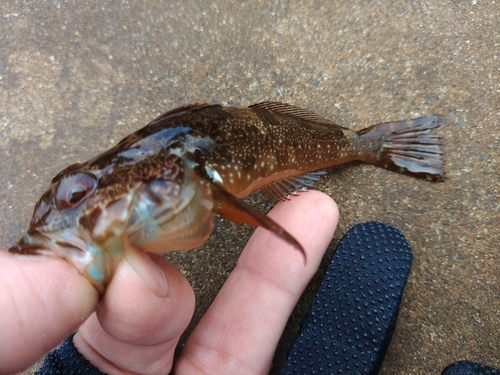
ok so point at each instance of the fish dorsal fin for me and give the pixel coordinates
(291, 110)
(235, 210)
(279, 190)
(181, 110)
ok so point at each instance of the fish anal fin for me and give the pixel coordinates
(291, 110)
(235, 210)
(281, 189)
(179, 111)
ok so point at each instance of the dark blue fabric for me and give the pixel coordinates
(350, 324)
(469, 368)
(66, 360)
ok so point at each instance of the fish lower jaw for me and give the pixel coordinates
(90, 260)
(95, 262)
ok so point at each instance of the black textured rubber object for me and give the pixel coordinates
(469, 368)
(349, 326)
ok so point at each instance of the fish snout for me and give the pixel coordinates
(92, 261)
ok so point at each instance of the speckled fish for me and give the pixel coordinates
(158, 188)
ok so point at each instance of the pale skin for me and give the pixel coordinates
(132, 331)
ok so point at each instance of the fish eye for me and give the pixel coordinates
(76, 194)
(73, 189)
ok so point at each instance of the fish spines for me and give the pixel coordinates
(407, 147)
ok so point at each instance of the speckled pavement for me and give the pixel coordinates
(75, 77)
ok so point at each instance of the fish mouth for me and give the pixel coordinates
(90, 260)
(93, 247)
(33, 245)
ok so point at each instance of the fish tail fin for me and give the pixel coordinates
(407, 147)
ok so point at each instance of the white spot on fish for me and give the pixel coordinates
(214, 175)
(217, 177)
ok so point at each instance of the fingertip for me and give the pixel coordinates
(310, 217)
(316, 204)
(131, 311)
(309, 204)
(148, 271)
(316, 218)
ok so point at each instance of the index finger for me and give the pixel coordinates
(240, 331)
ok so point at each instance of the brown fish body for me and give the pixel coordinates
(158, 188)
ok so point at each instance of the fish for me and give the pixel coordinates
(157, 190)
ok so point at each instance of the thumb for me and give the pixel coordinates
(43, 300)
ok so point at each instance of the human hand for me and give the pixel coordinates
(135, 331)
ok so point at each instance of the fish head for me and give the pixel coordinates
(81, 220)
(92, 214)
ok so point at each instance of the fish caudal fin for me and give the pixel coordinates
(407, 147)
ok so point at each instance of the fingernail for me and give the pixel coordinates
(148, 271)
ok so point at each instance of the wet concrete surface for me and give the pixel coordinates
(77, 77)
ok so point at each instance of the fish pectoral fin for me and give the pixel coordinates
(281, 189)
(291, 110)
(235, 210)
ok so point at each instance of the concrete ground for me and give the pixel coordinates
(75, 77)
